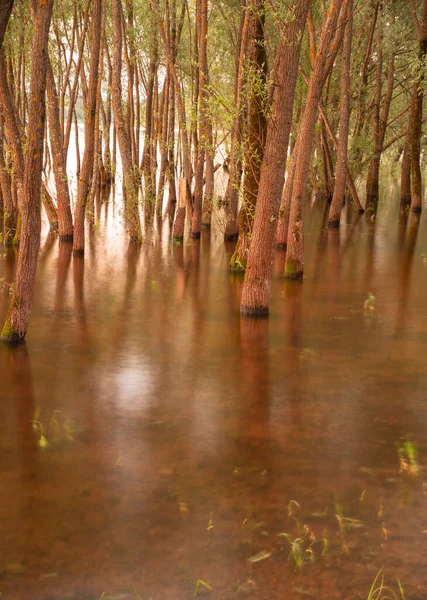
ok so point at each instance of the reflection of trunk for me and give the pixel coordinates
(256, 288)
(294, 266)
(130, 170)
(86, 172)
(18, 316)
(341, 168)
(255, 77)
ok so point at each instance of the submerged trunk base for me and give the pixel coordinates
(293, 269)
(258, 312)
(334, 224)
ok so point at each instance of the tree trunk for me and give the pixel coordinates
(18, 315)
(83, 187)
(255, 74)
(5, 11)
(417, 110)
(196, 220)
(130, 170)
(256, 288)
(65, 220)
(341, 168)
(294, 266)
(235, 167)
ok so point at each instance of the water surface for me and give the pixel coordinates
(150, 438)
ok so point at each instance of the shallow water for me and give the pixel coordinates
(150, 438)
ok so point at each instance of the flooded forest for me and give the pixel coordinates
(213, 284)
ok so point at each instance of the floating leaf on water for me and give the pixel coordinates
(263, 555)
(202, 584)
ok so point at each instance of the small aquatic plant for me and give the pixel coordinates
(408, 458)
(379, 591)
(202, 584)
(369, 304)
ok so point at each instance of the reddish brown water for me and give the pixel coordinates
(172, 436)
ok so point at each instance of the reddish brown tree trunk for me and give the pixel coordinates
(341, 168)
(130, 170)
(235, 166)
(18, 315)
(256, 288)
(196, 220)
(65, 220)
(294, 266)
(255, 73)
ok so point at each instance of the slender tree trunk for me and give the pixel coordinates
(294, 266)
(196, 219)
(235, 166)
(405, 176)
(256, 288)
(86, 172)
(417, 108)
(5, 12)
(256, 73)
(18, 315)
(65, 220)
(341, 168)
(130, 170)
(149, 149)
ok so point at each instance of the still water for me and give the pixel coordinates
(150, 438)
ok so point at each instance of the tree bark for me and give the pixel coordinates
(84, 182)
(130, 170)
(256, 288)
(196, 220)
(256, 80)
(5, 12)
(17, 319)
(65, 220)
(294, 266)
(341, 168)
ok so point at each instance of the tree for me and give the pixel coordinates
(18, 315)
(256, 288)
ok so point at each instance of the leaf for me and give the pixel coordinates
(263, 555)
(201, 583)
